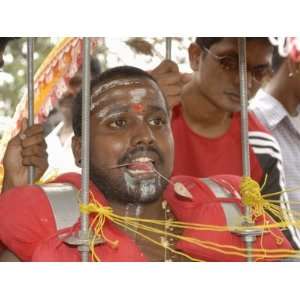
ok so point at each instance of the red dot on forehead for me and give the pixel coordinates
(137, 107)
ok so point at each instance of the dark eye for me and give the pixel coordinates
(229, 63)
(157, 121)
(120, 123)
(260, 74)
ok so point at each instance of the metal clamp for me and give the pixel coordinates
(82, 240)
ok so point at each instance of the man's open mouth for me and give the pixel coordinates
(141, 166)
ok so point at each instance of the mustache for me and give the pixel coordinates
(148, 150)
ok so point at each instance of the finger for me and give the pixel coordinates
(32, 140)
(165, 67)
(167, 79)
(35, 161)
(38, 150)
(172, 90)
(34, 129)
(24, 124)
(43, 144)
(186, 77)
(21, 135)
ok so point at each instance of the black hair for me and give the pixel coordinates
(95, 67)
(107, 76)
(207, 42)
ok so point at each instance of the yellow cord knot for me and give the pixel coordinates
(102, 213)
(95, 208)
(251, 196)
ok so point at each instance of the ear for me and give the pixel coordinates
(194, 56)
(76, 148)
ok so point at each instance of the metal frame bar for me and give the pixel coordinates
(244, 131)
(85, 147)
(30, 87)
(168, 48)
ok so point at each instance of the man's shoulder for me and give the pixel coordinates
(259, 135)
(198, 187)
(27, 200)
(263, 101)
(22, 196)
(268, 109)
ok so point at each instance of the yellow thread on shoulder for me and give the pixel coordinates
(251, 196)
(251, 192)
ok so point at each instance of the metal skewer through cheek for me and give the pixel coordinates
(153, 169)
(179, 188)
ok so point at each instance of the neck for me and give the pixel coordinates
(281, 87)
(151, 210)
(201, 115)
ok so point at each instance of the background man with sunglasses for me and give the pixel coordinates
(206, 123)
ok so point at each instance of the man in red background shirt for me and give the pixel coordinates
(206, 121)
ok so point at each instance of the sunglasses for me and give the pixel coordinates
(231, 64)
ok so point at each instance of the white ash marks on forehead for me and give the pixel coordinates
(137, 95)
(103, 112)
(110, 85)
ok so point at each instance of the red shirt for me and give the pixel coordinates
(27, 224)
(202, 157)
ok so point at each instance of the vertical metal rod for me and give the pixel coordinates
(168, 48)
(244, 105)
(85, 145)
(244, 128)
(30, 87)
(168, 56)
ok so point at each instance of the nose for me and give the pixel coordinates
(142, 134)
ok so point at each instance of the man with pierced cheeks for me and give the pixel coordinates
(131, 161)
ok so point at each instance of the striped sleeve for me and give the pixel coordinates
(268, 152)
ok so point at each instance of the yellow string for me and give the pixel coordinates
(251, 196)
(126, 222)
(51, 176)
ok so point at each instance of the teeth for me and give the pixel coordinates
(143, 159)
(138, 172)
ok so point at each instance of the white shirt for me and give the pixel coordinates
(286, 129)
(60, 157)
